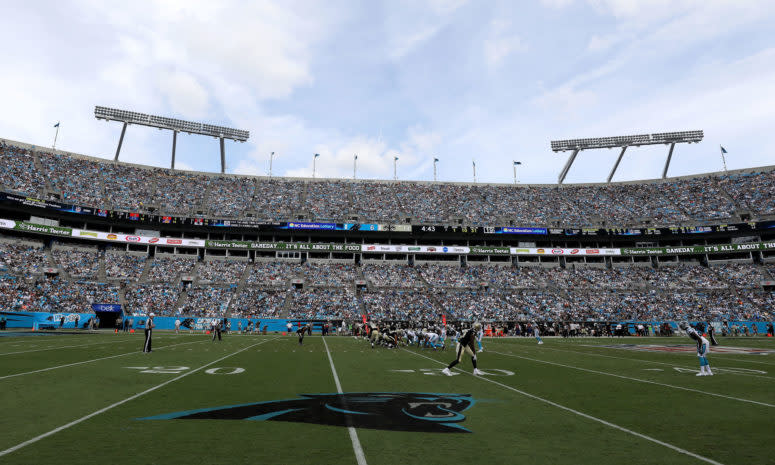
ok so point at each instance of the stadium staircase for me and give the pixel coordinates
(102, 275)
(39, 167)
(146, 270)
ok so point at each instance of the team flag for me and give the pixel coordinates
(723, 150)
(56, 125)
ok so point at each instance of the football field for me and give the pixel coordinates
(95, 398)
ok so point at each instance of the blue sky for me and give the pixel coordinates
(459, 80)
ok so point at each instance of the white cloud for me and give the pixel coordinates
(501, 43)
(185, 94)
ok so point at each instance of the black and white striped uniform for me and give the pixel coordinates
(148, 333)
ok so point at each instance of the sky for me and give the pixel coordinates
(484, 82)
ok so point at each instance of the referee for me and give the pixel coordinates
(148, 333)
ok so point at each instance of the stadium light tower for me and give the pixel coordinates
(174, 125)
(667, 138)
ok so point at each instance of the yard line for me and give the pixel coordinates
(105, 409)
(714, 354)
(66, 347)
(89, 361)
(764, 404)
(650, 361)
(359, 456)
(581, 414)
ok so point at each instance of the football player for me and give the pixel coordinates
(304, 329)
(537, 333)
(466, 345)
(702, 349)
(479, 334)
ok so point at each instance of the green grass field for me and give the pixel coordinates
(75, 399)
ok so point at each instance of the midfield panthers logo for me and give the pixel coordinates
(393, 411)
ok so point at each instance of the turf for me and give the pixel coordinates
(567, 402)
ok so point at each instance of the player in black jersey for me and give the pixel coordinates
(304, 329)
(466, 344)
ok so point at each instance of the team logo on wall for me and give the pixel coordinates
(392, 411)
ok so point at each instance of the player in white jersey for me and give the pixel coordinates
(537, 334)
(702, 349)
(432, 340)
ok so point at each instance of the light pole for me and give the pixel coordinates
(271, 156)
(435, 160)
(395, 168)
(515, 170)
(355, 166)
(314, 161)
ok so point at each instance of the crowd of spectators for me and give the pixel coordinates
(23, 257)
(124, 266)
(221, 271)
(160, 298)
(206, 301)
(324, 304)
(391, 275)
(399, 304)
(329, 274)
(18, 172)
(122, 186)
(257, 303)
(77, 180)
(272, 274)
(79, 262)
(167, 268)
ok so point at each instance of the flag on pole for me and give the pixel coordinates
(317, 155)
(517, 163)
(356, 157)
(56, 125)
(395, 158)
(435, 160)
(723, 150)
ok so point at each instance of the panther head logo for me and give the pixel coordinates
(393, 411)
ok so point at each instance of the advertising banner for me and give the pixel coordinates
(106, 307)
(699, 249)
(562, 251)
(131, 238)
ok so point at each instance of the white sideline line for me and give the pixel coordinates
(105, 409)
(359, 456)
(89, 361)
(582, 414)
(764, 404)
(652, 361)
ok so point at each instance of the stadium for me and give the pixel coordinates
(310, 319)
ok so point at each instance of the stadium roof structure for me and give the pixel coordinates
(667, 138)
(172, 124)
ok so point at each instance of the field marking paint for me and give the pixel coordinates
(655, 362)
(682, 388)
(714, 354)
(88, 361)
(582, 414)
(66, 347)
(109, 407)
(359, 455)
